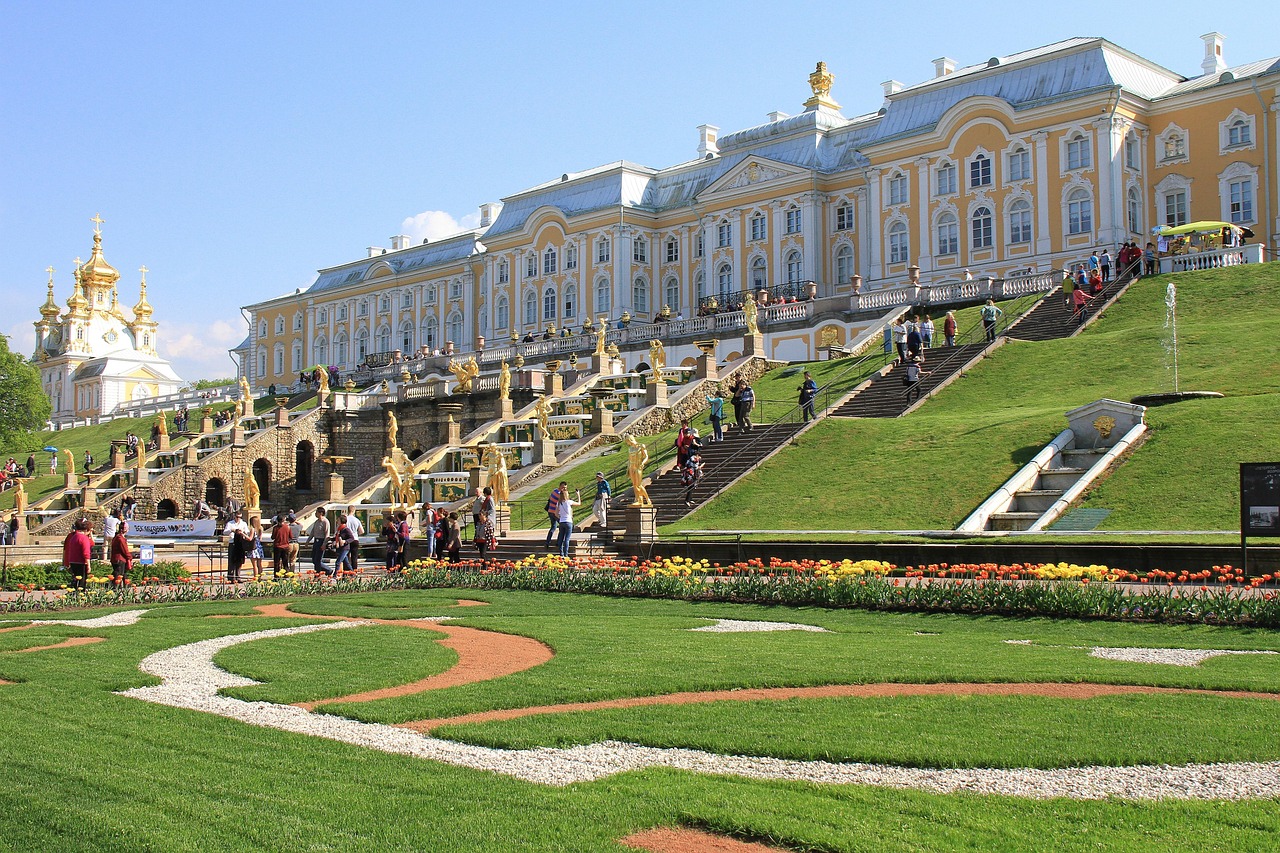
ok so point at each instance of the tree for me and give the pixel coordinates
(23, 406)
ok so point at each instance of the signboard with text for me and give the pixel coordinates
(1259, 499)
(173, 528)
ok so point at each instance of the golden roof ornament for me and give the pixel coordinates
(142, 311)
(96, 270)
(49, 310)
(820, 82)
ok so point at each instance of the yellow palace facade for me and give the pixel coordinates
(1022, 163)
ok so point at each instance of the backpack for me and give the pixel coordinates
(392, 534)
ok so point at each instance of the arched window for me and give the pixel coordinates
(759, 274)
(1079, 212)
(362, 344)
(899, 243)
(215, 492)
(262, 361)
(549, 261)
(980, 171)
(502, 314)
(700, 285)
(946, 179)
(340, 349)
(671, 294)
(1135, 211)
(1078, 155)
(724, 280)
(303, 455)
(603, 251)
(406, 337)
(296, 361)
(262, 476)
(549, 304)
(297, 322)
(571, 257)
(384, 339)
(262, 328)
(1020, 222)
(431, 333)
(795, 267)
(948, 234)
(604, 296)
(454, 330)
(640, 296)
(322, 352)
(844, 264)
(504, 271)
(279, 359)
(531, 309)
(981, 229)
(570, 302)
(279, 325)
(531, 265)
(1019, 164)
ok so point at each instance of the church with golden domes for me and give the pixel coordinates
(93, 356)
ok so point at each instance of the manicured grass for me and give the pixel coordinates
(90, 770)
(932, 468)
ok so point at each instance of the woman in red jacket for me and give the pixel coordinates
(75, 553)
(120, 556)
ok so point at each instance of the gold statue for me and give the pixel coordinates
(504, 383)
(657, 356)
(820, 80)
(751, 312)
(20, 500)
(162, 424)
(495, 461)
(322, 393)
(464, 372)
(71, 461)
(542, 411)
(400, 470)
(393, 426)
(245, 394)
(637, 458)
(252, 494)
(600, 335)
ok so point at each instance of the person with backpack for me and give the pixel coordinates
(391, 535)
(281, 539)
(342, 542)
(912, 378)
(808, 391)
(484, 531)
(717, 415)
(747, 397)
(990, 314)
(553, 513)
(690, 475)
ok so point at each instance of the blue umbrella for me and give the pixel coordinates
(51, 449)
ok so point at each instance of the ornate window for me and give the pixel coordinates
(531, 309)
(1236, 132)
(454, 329)
(340, 348)
(946, 179)
(570, 302)
(759, 275)
(362, 345)
(406, 337)
(1171, 145)
(296, 357)
(899, 192)
(342, 313)
(795, 268)
(384, 305)
(1078, 153)
(322, 316)
(431, 333)
(531, 266)
(899, 243)
(640, 296)
(406, 301)
(279, 325)
(699, 245)
(455, 289)
(759, 227)
(724, 280)
(948, 234)
(549, 261)
(671, 294)
(1019, 164)
(384, 339)
(794, 220)
(504, 271)
(502, 314)
(1079, 212)
(1132, 153)
(322, 351)
(571, 257)
(262, 328)
(844, 217)
(673, 250)
(724, 234)
(604, 251)
(549, 304)
(700, 285)
(1175, 207)
(1134, 203)
(1020, 222)
(431, 295)
(844, 264)
(604, 296)
(640, 250)
(1240, 201)
(362, 308)
(980, 171)
(279, 359)
(980, 228)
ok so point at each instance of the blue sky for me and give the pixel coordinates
(235, 148)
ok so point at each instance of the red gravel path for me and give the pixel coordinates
(679, 840)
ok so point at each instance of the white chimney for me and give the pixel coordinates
(400, 241)
(489, 212)
(374, 251)
(1213, 61)
(890, 87)
(778, 115)
(943, 65)
(708, 133)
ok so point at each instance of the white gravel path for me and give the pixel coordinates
(191, 680)
(113, 620)
(1172, 657)
(739, 626)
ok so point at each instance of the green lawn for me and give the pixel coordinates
(932, 468)
(90, 770)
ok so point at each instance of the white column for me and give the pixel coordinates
(874, 223)
(812, 229)
(1110, 147)
(705, 227)
(924, 257)
(622, 269)
(1044, 241)
(777, 233)
(863, 232)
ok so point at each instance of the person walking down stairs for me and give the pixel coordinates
(690, 476)
(808, 391)
(990, 314)
(912, 378)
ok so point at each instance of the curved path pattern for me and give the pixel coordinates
(111, 620)
(68, 643)
(665, 839)
(190, 679)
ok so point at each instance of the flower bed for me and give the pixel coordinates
(1219, 596)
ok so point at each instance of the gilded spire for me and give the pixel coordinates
(96, 270)
(49, 310)
(142, 311)
(77, 302)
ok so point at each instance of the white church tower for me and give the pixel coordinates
(92, 357)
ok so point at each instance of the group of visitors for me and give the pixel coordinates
(77, 548)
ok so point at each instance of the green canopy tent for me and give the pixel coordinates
(1204, 226)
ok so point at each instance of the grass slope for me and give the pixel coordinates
(933, 467)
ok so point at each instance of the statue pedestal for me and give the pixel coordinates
(69, 482)
(502, 521)
(322, 399)
(23, 536)
(506, 411)
(206, 425)
(753, 345)
(602, 419)
(190, 455)
(282, 416)
(553, 384)
(117, 456)
(641, 524)
(544, 451)
(88, 498)
(333, 488)
(453, 433)
(162, 441)
(655, 393)
(707, 367)
(237, 436)
(477, 478)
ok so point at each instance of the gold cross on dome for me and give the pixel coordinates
(49, 270)
(97, 221)
(143, 269)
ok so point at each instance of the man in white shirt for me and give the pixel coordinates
(110, 526)
(357, 530)
(565, 514)
(237, 533)
(319, 534)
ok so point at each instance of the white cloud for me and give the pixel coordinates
(436, 224)
(22, 338)
(199, 350)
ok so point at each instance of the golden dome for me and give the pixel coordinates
(96, 270)
(50, 310)
(77, 303)
(142, 311)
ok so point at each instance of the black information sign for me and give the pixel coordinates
(1259, 499)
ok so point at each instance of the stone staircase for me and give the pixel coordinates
(1029, 504)
(1054, 318)
(886, 397)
